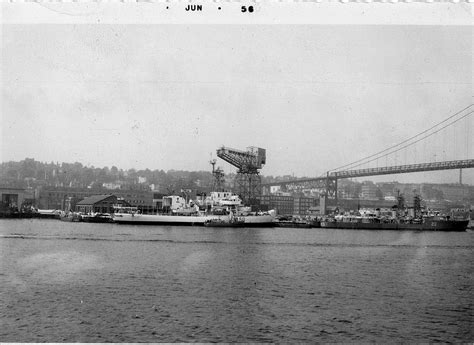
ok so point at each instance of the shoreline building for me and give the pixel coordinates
(68, 198)
(288, 205)
(97, 203)
(16, 197)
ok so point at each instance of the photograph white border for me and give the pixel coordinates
(230, 12)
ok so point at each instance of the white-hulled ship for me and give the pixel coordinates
(218, 207)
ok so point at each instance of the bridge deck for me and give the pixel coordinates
(397, 169)
(402, 169)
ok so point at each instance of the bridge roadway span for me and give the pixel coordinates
(323, 182)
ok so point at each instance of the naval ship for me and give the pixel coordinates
(218, 208)
(398, 218)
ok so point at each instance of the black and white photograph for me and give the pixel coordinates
(236, 172)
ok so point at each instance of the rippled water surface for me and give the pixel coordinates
(80, 282)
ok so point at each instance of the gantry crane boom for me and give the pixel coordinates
(248, 163)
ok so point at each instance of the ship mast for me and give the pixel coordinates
(218, 174)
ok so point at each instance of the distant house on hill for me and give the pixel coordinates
(97, 203)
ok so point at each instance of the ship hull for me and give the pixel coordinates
(148, 219)
(241, 225)
(429, 225)
(97, 219)
(224, 224)
(259, 221)
(292, 225)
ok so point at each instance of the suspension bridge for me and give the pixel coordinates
(450, 139)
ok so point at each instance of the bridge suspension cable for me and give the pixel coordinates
(416, 141)
(408, 142)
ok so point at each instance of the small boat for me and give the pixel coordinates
(296, 222)
(97, 218)
(292, 224)
(70, 217)
(49, 214)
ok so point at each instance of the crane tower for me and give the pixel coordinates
(248, 163)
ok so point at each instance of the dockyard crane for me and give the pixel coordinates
(248, 163)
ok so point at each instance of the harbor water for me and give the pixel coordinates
(83, 282)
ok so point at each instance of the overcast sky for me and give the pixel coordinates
(166, 97)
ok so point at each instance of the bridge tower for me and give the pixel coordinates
(247, 183)
(331, 186)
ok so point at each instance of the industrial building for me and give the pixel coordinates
(97, 203)
(301, 205)
(288, 205)
(15, 197)
(369, 191)
(68, 198)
